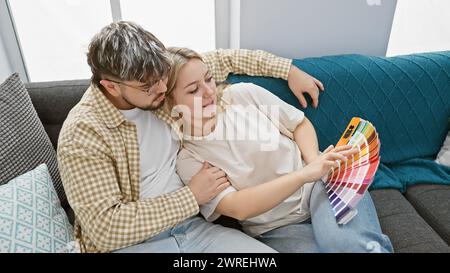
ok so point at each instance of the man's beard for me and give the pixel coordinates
(150, 107)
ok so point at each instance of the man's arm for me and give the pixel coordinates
(222, 62)
(94, 192)
(187, 168)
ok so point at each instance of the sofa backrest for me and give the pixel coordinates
(53, 101)
(407, 98)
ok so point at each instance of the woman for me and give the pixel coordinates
(259, 141)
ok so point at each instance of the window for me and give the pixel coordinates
(175, 22)
(55, 34)
(420, 26)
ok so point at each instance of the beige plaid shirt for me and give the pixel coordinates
(98, 157)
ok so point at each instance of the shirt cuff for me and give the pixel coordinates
(187, 202)
(285, 66)
(208, 209)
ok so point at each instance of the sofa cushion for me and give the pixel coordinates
(433, 204)
(408, 231)
(53, 101)
(31, 216)
(24, 142)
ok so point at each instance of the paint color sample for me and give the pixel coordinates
(347, 183)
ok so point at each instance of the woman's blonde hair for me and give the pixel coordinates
(179, 56)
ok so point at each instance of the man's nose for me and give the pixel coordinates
(161, 87)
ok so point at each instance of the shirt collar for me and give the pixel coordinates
(106, 110)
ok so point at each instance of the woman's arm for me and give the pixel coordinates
(306, 139)
(253, 201)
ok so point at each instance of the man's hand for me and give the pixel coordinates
(300, 82)
(208, 183)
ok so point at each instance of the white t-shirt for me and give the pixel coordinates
(158, 153)
(247, 159)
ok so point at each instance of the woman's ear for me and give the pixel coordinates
(110, 87)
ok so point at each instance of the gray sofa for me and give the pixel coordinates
(417, 221)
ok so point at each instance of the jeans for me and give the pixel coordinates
(196, 235)
(322, 234)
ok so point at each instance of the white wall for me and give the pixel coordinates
(5, 66)
(420, 26)
(303, 28)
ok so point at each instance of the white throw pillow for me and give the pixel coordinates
(31, 216)
(443, 156)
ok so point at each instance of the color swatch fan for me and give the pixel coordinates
(347, 183)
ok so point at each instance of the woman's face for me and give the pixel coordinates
(194, 94)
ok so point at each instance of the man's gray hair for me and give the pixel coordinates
(124, 50)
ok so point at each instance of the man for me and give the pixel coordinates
(117, 160)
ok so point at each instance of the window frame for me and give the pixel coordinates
(11, 41)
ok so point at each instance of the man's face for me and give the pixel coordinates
(144, 96)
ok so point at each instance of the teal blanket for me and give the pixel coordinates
(410, 172)
(407, 99)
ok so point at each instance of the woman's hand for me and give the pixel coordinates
(329, 159)
(301, 82)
